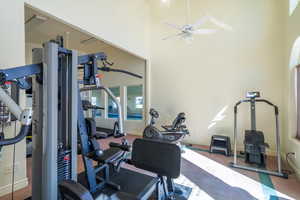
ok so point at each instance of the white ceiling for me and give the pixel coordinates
(39, 33)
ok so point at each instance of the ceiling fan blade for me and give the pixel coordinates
(220, 24)
(204, 31)
(201, 21)
(172, 36)
(173, 25)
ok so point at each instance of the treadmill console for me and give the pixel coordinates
(252, 95)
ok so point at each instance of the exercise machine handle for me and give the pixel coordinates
(269, 103)
(24, 116)
(95, 107)
(124, 147)
(256, 100)
(108, 69)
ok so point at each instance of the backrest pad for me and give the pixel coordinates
(158, 157)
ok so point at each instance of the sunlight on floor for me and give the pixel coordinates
(231, 177)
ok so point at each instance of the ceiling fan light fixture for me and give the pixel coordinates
(166, 2)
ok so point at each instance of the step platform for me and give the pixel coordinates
(220, 144)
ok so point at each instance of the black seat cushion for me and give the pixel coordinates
(70, 189)
(109, 155)
(162, 158)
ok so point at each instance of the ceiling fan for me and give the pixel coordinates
(188, 30)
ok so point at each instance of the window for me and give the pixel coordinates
(293, 5)
(135, 102)
(298, 100)
(96, 100)
(112, 106)
(294, 65)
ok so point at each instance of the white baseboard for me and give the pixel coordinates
(292, 165)
(297, 170)
(18, 185)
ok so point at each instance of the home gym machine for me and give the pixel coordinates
(172, 133)
(108, 175)
(146, 155)
(57, 120)
(254, 142)
(54, 129)
(89, 64)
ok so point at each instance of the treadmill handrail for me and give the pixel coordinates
(256, 100)
(279, 171)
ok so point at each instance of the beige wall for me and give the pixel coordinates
(207, 77)
(292, 33)
(108, 20)
(12, 50)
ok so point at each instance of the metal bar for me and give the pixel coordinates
(63, 123)
(88, 163)
(265, 101)
(50, 102)
(120, 117)
(253, 115)
(37, 128)
(10, 103)
(235, 136)
(74, 114)
(109, 93)
(20, 72)
(278, 144)
(274, 173)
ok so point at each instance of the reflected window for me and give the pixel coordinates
(112, 106)
(135, 102)
(96, 100)
(294, 65)
(297, 85)
(293, 5)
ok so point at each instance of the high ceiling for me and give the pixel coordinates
(40, 31)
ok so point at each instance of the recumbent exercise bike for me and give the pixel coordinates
(171, 133)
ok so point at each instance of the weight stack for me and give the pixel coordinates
(63, 165)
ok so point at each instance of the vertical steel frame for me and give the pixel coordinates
(235, 164)
(50, 128)
(55, 117)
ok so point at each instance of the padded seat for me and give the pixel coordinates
(109, 155)
(71, 189)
